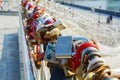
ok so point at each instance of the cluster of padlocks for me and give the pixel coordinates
(77, 57)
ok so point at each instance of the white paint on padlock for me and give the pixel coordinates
(96, 66)
(42, 20)
(87, 50)
(91, 54)
(93, 61)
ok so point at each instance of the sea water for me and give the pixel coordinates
(112, 5)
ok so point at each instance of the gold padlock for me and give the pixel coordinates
(89, 76)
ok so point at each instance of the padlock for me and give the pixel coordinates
(89, 76)
(50, 53)
(53, 34)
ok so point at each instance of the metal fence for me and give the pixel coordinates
(30, 72)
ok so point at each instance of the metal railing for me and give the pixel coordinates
(28, 75)
(30, 71)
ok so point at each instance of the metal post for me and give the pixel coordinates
(71, 2)
(62, 1)
(99, 15)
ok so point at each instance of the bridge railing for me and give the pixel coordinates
(30, 72)
(27, 70)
